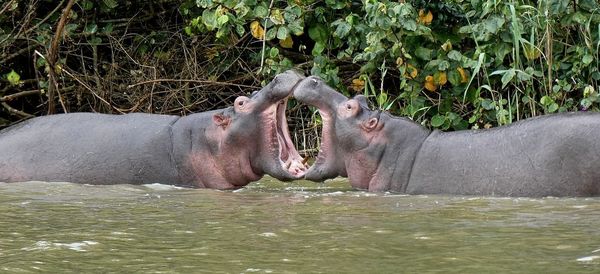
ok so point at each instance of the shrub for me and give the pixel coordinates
(447, 64)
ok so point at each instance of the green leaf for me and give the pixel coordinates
(587, 59)
(342, 29)
(13, 78)
(455, 55)
(296, 27)
(261, 11)
(558, 6)
(318, 49)
(423, 53)
(488, 104)
(209, 19)
(111, 4)
(480, 61)
(204, 3)
(437, 120)
(522, 76)
(271, 34)
(222, 20)
(318, 33)
(108, 28)
(274, 52)
(91, 28)
(586, 103)
(188, 30)
(335, 4)
(382, 99)
(454, 77)
(70, 28)
(276, 17)
(553, 107)
(402, 10)
(409, 24)
(507, 77)
(546, 100)
(502, 116)
(589, 5)
(282, 33)
(443, 65)
(87, 5)
(94, 41)
(40, 63)
(239, 29)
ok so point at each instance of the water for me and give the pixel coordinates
(274, 227)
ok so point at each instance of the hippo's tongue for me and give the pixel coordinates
(288, 155)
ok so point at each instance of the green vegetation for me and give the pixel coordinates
(446, 64)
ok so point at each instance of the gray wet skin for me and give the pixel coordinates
(553, 155)
(222, 149)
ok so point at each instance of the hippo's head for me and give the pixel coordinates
(350, 136)
(253, 135)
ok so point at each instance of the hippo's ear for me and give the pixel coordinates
(221, 120)
(362, 100)
(372, 123)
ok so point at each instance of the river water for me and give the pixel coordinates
(300, 227)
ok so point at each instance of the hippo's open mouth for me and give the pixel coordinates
(290, 159)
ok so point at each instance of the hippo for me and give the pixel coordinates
(551, 155)
(221, 149)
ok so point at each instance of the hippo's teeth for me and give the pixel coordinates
(288, 164)
(305, 160)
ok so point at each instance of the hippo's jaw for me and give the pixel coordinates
(287, 164)
(279, 157)
(289, 158)
(324, 165)
(328, 163)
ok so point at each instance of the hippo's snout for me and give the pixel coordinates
(283, 84)
(307, 91)
(314, 91)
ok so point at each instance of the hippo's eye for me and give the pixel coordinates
(240, 103)
(349, 108)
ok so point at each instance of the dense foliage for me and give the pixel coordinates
(448, 64)
(112, 57)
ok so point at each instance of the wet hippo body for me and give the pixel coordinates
(554, 155)
(220, 149)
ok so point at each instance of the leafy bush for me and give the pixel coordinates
(112, 57)
(448, 64)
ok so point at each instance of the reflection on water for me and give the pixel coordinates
(275, 227)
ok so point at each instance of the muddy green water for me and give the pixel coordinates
(275, 227)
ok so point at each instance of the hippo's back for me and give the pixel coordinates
(89, 148)
(553, 155)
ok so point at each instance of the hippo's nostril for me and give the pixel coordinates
(314, 81)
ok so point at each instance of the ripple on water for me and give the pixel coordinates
(46, 245)
(588, 259)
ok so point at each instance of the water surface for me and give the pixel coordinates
(275, 227)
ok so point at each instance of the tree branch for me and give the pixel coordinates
(53, 55)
